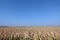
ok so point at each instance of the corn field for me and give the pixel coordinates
(30, 33)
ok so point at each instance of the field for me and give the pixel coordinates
(29, 33)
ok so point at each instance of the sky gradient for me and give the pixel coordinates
(29, 12)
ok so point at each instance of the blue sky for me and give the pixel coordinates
(29, 12)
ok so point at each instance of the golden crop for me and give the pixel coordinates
(30, 33)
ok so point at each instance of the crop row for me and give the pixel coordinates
(29, 35)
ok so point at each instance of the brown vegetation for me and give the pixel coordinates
(40, 33)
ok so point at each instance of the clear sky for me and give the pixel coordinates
(29, 12)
